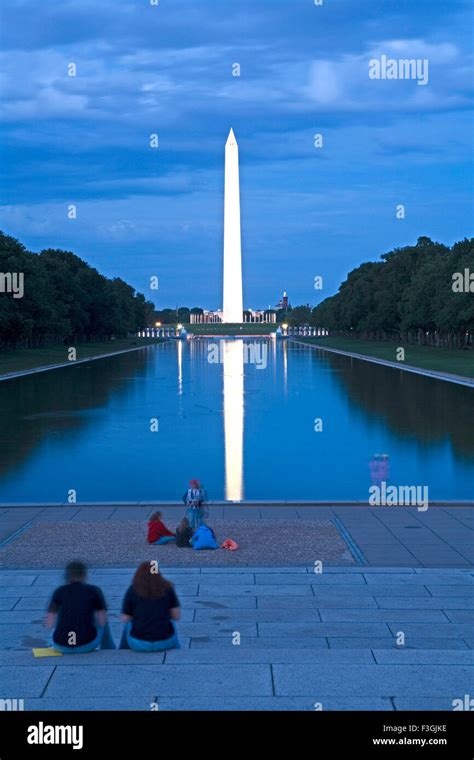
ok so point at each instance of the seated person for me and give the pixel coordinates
(78, 613)
(183, 533)
(158, 533)
(204, 538)
(149, 610)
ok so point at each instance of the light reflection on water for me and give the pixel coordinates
(243, 423)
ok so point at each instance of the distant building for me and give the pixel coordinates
(267, 316)
(206, 317)
(283, 302)
(260, 315)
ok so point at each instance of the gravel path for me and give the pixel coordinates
(123, 544)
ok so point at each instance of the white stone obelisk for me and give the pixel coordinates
(233, 300)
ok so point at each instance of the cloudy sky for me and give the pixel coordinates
(168, 69)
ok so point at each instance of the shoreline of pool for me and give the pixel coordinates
(446, 376)
(47, 367)
(246, 503)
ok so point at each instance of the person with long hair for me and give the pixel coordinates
(184, 533)
(149, 611)
(158, 533)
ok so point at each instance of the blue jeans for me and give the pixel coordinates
(165, 540)
(195, 516)
(103, 640)
(140, 645)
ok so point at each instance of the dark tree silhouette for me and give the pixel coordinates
(408, 296)
(64, 300)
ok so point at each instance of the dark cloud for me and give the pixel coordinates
(167, 69)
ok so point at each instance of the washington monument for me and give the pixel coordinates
(233, 301)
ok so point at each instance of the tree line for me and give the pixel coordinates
(417, 294)
(420, 294)
(64, 300)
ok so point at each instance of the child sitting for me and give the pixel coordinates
(158, 533)
(183, 533)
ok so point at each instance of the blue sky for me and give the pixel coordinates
(167, 69)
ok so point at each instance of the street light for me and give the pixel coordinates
(157, 324)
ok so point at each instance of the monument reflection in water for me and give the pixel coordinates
(233, 380)
(244, 427)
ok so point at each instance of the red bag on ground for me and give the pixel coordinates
(230, 545)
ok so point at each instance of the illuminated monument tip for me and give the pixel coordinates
(233, 300)
(231, 138)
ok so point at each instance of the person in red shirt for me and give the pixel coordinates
(158, 533)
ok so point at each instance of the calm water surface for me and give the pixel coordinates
(238, 415)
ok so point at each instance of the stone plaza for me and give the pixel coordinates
(392, 632)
